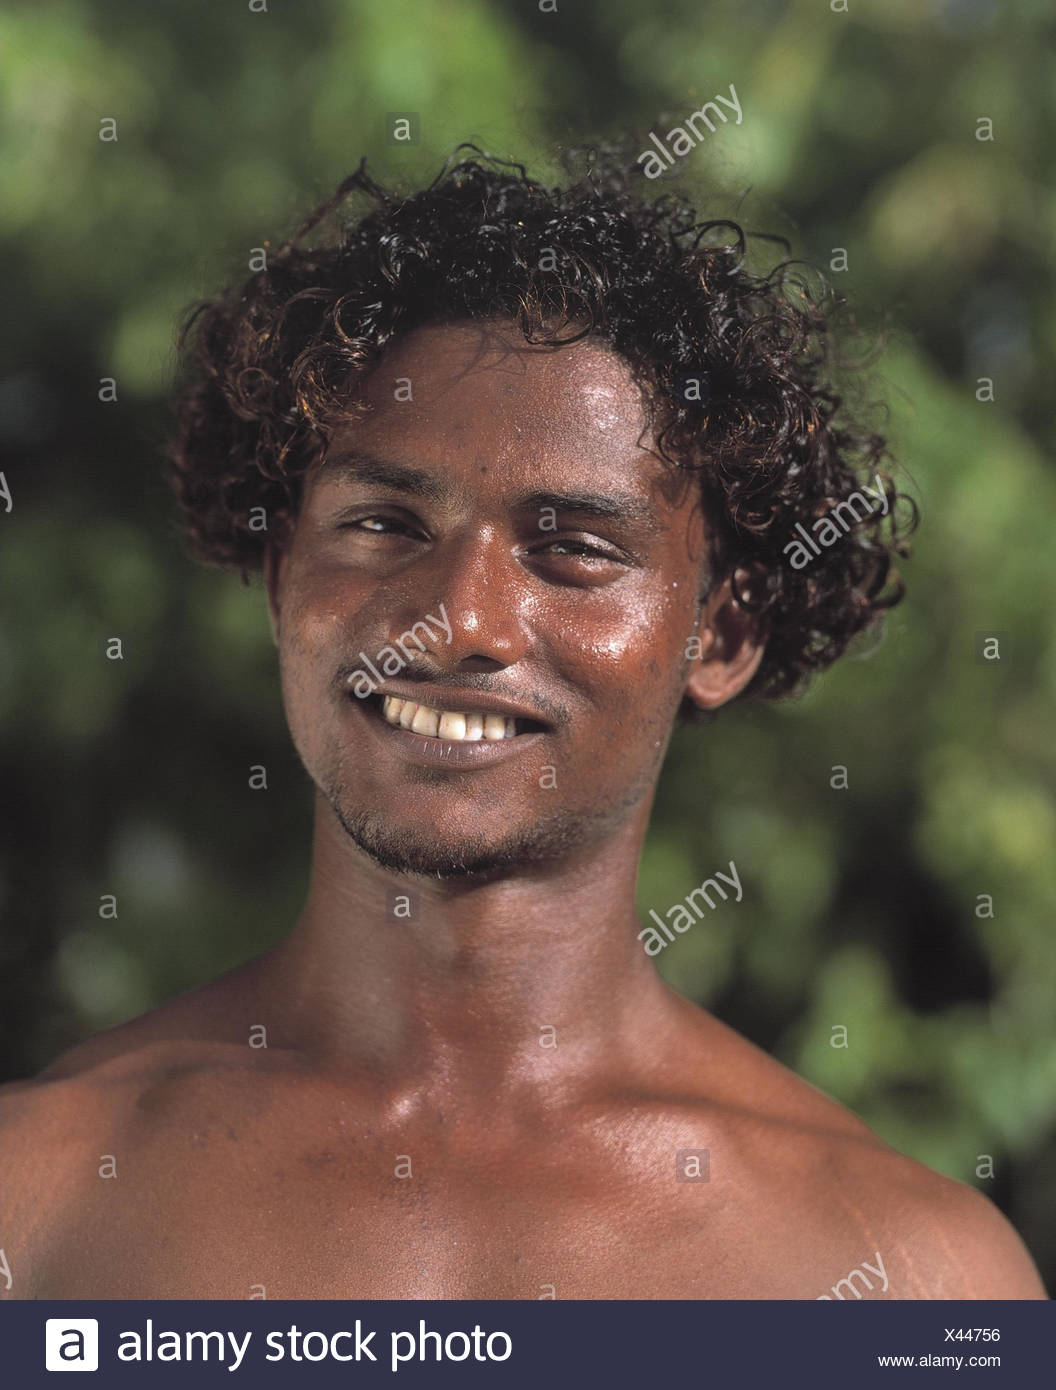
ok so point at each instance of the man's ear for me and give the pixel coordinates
(273, 565)
(731, 645)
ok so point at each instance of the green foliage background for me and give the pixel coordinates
(859, 131)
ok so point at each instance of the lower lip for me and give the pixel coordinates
(439, 752)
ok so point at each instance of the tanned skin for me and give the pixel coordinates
(535, 1171)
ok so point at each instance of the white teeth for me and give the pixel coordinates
(406, 715)
(453, 725)
(426, 721)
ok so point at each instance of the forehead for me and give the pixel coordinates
(478, 389)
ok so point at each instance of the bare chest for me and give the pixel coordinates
(241, 1212)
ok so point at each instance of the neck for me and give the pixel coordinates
(474, 989)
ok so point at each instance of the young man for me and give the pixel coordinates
(522, 469)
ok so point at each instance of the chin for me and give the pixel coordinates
(419, 850)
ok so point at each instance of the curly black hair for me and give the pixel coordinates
(739, 369)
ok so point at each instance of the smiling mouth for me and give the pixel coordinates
(451, 726)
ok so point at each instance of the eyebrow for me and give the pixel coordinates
(614, 506)
(399, 477)
(417, 482)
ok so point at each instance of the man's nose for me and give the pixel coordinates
(474, 594)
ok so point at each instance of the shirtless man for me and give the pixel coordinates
(459, 1075)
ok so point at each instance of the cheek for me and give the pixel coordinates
(318, 611)
(630, 654)
(313, 640)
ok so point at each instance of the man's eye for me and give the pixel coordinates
(376, 525)
(583, 548)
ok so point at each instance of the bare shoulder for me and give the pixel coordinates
(48, 1122)
(933, 1236)
(46, 1126)
(194, 1033)
(964, 1247)
(940, 1238)
(43, 1117)
(57, 1127)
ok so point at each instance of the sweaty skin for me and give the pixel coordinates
(492, 1098)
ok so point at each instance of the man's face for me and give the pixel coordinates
(500, 506)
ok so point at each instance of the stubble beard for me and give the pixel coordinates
(547, 840)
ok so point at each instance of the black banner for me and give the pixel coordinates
(544, 1344)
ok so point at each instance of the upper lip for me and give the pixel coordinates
(461, 701)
